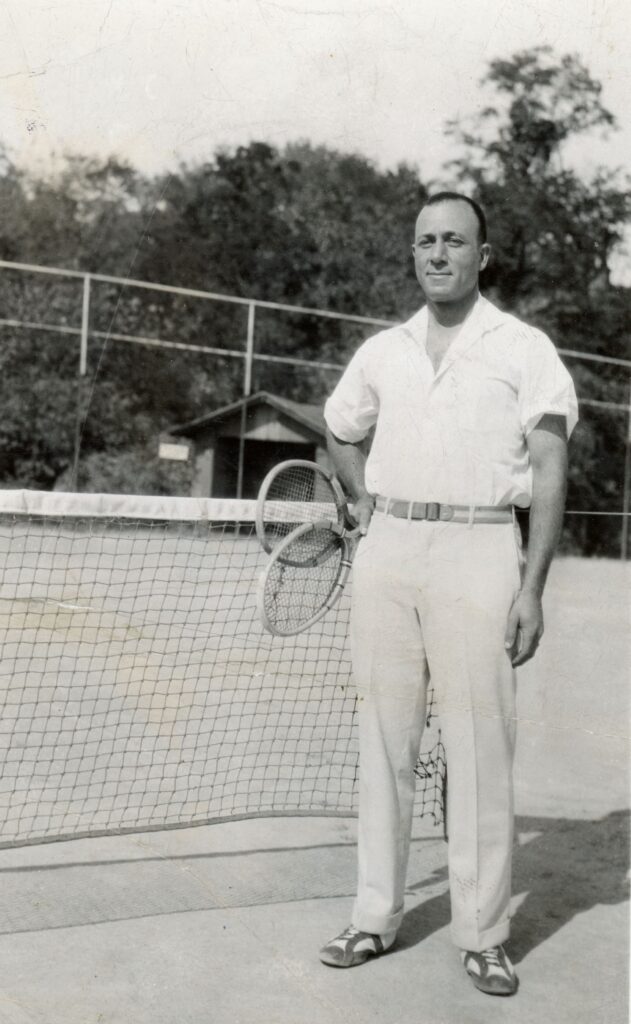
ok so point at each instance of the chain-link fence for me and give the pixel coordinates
(94, 367)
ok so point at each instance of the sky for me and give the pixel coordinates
(158, 82)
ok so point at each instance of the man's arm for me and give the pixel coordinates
(547, 447)
(349, 462)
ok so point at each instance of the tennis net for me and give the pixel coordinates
(138, 690)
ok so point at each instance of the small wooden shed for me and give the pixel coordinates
(274, 429)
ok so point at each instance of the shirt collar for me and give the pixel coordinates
(484, 315)
(490, 316)
(482, 318)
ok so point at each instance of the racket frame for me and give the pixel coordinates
(345, 538)
(260, 520)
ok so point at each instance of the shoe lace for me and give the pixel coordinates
(492, 956)
(349, 932)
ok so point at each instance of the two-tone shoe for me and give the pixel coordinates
(352, 947)
(491, 971)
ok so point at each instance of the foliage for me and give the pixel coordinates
(554, 236)
(131, 471)
(307, 226)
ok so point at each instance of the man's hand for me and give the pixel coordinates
(524, 627)
(363, 509)
(349, 461)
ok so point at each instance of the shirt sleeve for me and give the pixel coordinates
(353, 407)
(546, 386)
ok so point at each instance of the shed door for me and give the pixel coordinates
(259, 458)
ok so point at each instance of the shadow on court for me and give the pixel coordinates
(158, 927)
(569, 868)
(565, 867)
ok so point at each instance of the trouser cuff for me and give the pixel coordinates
(475, 942)
(376, 924)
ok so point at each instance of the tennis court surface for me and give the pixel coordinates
(222, 922)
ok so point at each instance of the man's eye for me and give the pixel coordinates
(424, 243)
(455, 241)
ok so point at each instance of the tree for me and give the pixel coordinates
(307, 226)
(554, 235)
(89, 216)
(301, 226)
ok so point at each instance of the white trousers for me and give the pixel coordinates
(433, 599)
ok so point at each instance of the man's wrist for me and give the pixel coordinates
(532, 588)
(361, 496)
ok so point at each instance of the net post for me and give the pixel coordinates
(83, 369)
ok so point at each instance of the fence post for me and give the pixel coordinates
(83, 369)
(626, 487)
(247, 391)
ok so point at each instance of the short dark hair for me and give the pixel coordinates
(446, 197)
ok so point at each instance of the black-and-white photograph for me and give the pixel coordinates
(315, 511)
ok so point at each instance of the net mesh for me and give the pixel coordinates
(139, 689)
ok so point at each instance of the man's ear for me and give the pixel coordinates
(485, 255)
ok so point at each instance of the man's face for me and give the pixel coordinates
(448, 254)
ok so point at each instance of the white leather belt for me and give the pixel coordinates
(434, 511)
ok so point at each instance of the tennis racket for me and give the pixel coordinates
(305, 576)
(292, 494)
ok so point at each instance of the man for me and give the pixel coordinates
(472, 410)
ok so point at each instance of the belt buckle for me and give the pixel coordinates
(432, 512)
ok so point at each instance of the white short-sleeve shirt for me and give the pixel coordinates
(456, 436)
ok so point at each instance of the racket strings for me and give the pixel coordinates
(297, 495)
(294, 593)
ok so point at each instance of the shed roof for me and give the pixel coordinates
(308, 415)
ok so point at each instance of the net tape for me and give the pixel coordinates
(139, 690)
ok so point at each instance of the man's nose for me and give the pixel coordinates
(438, 251)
